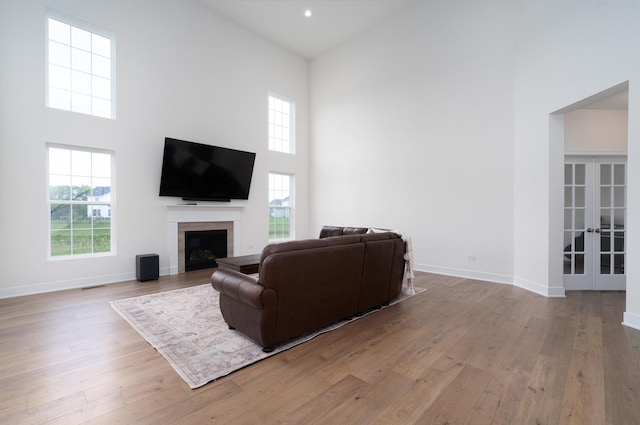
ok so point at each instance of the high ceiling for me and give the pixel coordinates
(332, 22)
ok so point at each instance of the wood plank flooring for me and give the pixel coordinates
(462, 352)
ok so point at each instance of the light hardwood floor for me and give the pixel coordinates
(462, 352)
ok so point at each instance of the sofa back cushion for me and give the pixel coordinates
(370, 237)
(328, 231)
(275, 248)
(354, 230)
(315, 287)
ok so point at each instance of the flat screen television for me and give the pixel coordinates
(199, 172)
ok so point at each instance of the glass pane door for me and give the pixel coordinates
(612, 215)
(576, 199)
(594, 223)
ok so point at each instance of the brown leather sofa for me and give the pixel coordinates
(306, 285)
(328, 231)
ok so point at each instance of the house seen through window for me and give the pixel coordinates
(81, 201)
(80, 75)
(280, 204)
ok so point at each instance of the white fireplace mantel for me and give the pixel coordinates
(199, 213)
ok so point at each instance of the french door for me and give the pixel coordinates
(595, 213)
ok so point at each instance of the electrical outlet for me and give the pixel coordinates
(472, 258)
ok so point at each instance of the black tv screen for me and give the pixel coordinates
(199, 172)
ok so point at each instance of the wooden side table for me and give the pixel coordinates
(247, 264)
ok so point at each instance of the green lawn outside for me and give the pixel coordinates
(80, 240)
(81, 224)
(279, 227)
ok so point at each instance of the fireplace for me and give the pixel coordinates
(197, 247)
(192, 218)
(202, 247)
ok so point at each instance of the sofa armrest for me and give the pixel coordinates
(238, 286)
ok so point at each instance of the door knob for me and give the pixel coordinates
(590, 230)
(597, 230)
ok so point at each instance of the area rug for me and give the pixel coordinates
(186, 327)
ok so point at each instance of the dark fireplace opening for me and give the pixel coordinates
(202, 247)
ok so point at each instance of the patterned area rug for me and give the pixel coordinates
(186, 327)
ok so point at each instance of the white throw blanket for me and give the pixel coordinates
(408, 256)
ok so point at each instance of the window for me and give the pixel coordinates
(281, 128)
(81, 64)
(81, 201)
(280, 203)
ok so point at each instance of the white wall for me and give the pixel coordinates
(599, 131)
(412, 128)
(567, 51)
(440, 123)
(181, 72)
(436, 123)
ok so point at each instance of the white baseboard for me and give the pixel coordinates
(44, 287)
(546, 291)
(467, 274)
(549, 292)
(631, 320)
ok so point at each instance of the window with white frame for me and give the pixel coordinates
(281, 120)
(81, 201)
(280, 206)
(81, 64)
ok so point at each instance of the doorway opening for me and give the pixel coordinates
(593, 133)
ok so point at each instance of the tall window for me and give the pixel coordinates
(280, 204)
(81, 61)
(281, 128)
(80, 201)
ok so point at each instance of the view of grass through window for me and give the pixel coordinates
(279, 206)
(74, 232)
(80, 202)
(279, 227)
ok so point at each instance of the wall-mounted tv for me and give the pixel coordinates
(199, 172)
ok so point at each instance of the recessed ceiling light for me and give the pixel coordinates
(307, 13)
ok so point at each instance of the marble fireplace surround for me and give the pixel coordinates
(182, 218)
